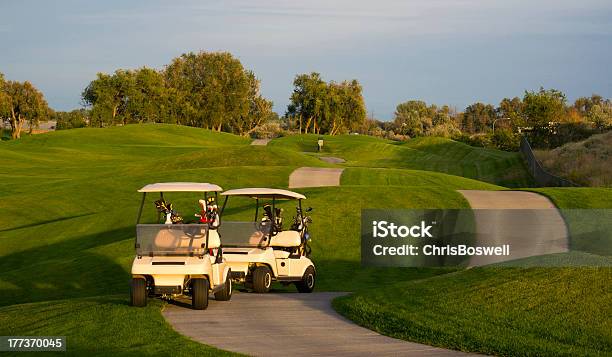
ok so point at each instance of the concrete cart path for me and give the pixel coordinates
(262, 142)
(315, 177)
(287, 324)
(530, 223)
(332, 160)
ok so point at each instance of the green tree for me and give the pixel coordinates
(414, 117)
(259, 111)
(147, 97)
(584, 104)
(308, 101)
(601, 114)
(70, 120)
(544, 107)
(107, 96)
(478, 118)
(21, 102)
(215, 85)
(513, 110)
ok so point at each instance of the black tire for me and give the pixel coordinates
(262, 279)
(138, 292)
(225, 294)
(199, 293)
(307, 284)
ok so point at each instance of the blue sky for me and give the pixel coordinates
(442, 51)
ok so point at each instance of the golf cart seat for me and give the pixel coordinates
(178, 240)
(286, 239)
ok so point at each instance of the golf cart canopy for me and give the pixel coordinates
(265, 193)
(181, 187)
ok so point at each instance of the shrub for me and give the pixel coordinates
(268, 130)
(505, 139)
(588, 162)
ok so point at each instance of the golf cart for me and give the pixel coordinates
(175, 258)
(260, 252)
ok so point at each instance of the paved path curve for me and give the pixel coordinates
(332, 160)
(287, 324)
(262, 142)
(530, 223)
(315, 177)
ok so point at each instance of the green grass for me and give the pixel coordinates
(588, 215)
(102, 326)
(69, 203)
(500, 311)
(577, 197)
(428, 153)
(503, 311)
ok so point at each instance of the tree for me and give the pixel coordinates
(215, 85)
(260, 110)
(329, 108)
(77, 118)
(4, 99)
(513, 110)
(544, 107)
(584, 104)
(107, 96)
(478, 118)
(147, 97)
(601, 114)
(308, 100)
(22, 103)
(208, 90)
(414, 117)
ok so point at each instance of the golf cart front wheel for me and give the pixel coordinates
(138, 292)
(307, 284)
(262, 279)
(226, 293)
(199, 293)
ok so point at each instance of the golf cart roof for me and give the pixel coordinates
(256, 192)
(181, 187)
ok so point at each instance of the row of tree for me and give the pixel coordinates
(214, 91)
(21, 103)
(543, 114)
(207, 90)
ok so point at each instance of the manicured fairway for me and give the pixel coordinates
(69, 203)
(429, 153)
(501, 311)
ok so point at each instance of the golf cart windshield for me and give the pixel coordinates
(245, 234)
(171, 239)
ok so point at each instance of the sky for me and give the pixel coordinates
(453, 52)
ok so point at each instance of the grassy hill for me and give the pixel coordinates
(587, 162)
(500, 311)
(69, 203)
(427, 153)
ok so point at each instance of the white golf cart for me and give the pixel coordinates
(175, 258)
(261, 252)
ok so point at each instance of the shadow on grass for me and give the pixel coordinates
(64, 270)
(47, 222)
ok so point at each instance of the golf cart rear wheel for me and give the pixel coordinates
(307, 284)
(138, 292)
(262, 279)
(226, 293)
(199, 293)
